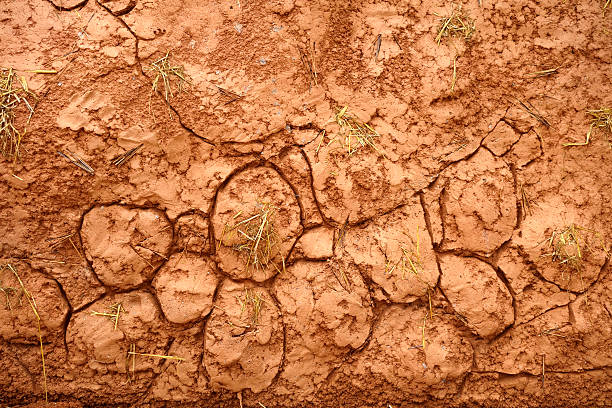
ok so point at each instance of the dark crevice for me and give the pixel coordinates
(60, 7)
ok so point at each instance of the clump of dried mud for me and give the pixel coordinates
(228, 249)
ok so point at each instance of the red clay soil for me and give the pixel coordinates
(241, 256)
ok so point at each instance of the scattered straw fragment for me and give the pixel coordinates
(543, 73)
(569, 247)
(13, 92)
(457, 24)
(231, 96)
(119, 160)
(454, 81)
(42, 71)
(256, 236)
(525, 202)
(410, 260)
(32, 303)
(167, 73)
(8, 292)
(253, 303)
(356, 133)
(607, 5)
(77, 161)
(376, 45)
(600, 118)
(112, 314)
(531, 110)
(308, 58)
(55, 243)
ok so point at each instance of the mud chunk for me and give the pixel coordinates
(191, 232)
(528, 148)
(125, 245)
(18, 323)
(395, 359)
(295, 168)
(243, 338)
(316, 243)
(102, 351)
(501, 139)
(519, 119)
(327, 312)
(185, 286)
(357, 187)
(396, 253)
(185, 381)
(119, 7)
(562, 246)
(477, 294)
(521, 352)
(533, 295)
(68, 4)
(256, 222)
(472, 204)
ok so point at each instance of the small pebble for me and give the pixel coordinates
(238, 27)
(263, 61)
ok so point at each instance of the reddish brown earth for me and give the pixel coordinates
(338, 317)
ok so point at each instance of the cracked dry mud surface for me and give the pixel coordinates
(420, 274)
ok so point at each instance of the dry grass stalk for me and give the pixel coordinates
(454, 81)
(256, 235)
(124, 157)
(55, 243)
(544, 73)
(600, 118)
(410, 260)
(8, 292)
(531, 110)
(167, 73)
(525, 202)
(569, 247)
(77, 161)
(607, 5)
(112, 314)
(457, 24)
(356, 133)
(376, 45)
(32, 304)
(230, 95)
(309, 62)
(11, 96)
(253, 303)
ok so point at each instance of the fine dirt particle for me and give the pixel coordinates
(396, 253)
(124, 245)
(243, 338)
(477, 294)
(327, 312)
(246, 195)
(185, 286)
